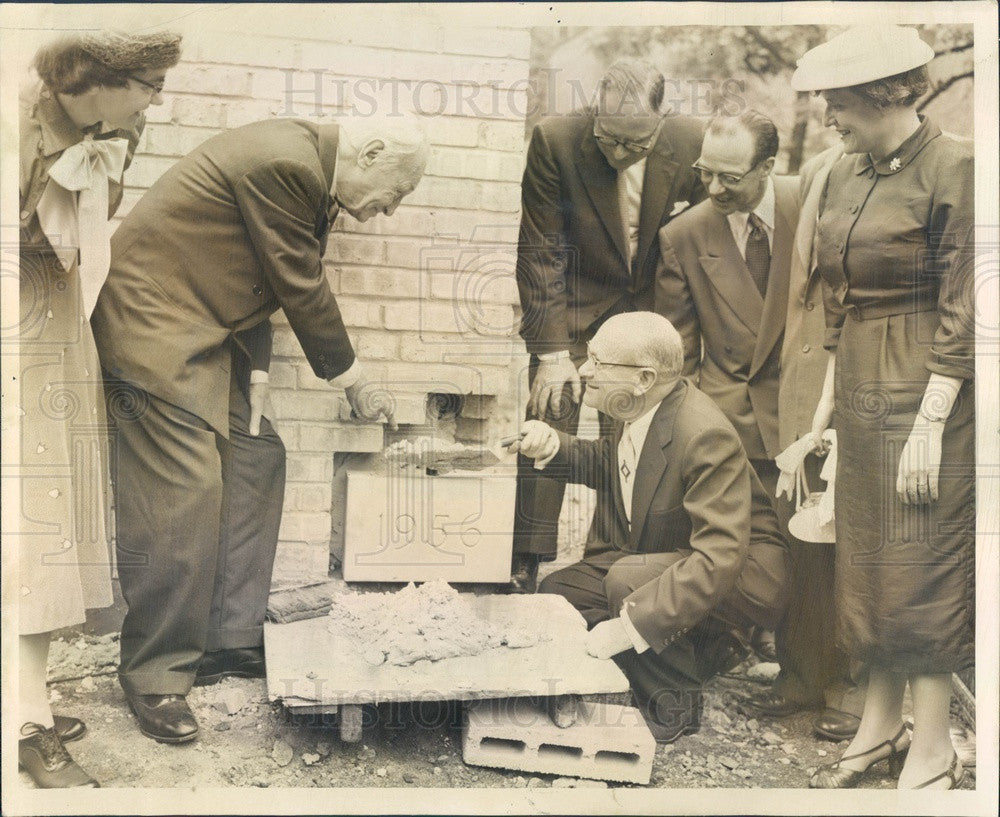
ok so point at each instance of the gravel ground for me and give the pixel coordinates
(246, 741)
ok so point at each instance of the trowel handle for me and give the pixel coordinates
(507, 442)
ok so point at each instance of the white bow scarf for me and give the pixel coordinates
(73, 212)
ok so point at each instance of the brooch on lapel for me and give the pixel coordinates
(895, 164)
(679, 207)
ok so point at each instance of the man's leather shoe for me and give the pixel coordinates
(523, 574)
(69, 728)
(165, 718)
(776, 705)
(681, 723)
(762, 642)
(833, 724)
(41, 754)
(241, 662)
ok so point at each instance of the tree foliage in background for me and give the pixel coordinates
(760, 58)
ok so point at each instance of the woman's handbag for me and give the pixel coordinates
(813, 517)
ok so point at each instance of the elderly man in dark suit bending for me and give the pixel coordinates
(694, 554)
(231, 233)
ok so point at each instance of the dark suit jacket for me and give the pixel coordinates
(695, 495)
(572, 265)
(704, 287)
(231, 233)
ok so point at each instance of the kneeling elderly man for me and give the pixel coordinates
(693, 556)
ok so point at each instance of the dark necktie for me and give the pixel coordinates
(758, 253)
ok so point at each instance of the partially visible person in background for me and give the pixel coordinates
(895, 249)
(597, 186)
(814, 672)
(80, 121)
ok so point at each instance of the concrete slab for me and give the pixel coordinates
(405, 525)
(607, 742)
(308, 666)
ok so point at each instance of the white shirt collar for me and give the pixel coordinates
(764, 211)
(639, 428)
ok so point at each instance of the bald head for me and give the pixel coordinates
(643, 339)
(633, 362)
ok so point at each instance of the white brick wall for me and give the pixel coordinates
(449, 327)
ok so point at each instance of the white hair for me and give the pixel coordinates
(402, 134)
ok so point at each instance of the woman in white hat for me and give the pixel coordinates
(895, 250)
(80, 122)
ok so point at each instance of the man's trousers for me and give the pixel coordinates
(667, 684)
(197, 527)
(814, 672)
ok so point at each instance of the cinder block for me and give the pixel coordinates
(608, 742)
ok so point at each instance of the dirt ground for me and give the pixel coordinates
(247, 741)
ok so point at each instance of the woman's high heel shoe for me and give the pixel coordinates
(955, 773)
(833, 776)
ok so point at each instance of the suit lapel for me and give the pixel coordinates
(728, 272)
(601, 181)
(661, 170)
(776, 303)
(653, 461)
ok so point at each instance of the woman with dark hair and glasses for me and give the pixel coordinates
(895, 251)
(80, 122)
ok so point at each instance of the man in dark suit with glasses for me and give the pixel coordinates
(597, 187)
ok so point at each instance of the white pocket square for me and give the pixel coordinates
(679, 207)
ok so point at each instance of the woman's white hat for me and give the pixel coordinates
(861, 54)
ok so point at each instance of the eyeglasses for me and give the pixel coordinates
(155, 87)
(725, 179)
(631, 147)
(598, 363)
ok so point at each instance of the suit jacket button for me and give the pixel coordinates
(729, 349)
(854, 208)
(806, 348)
(810, 306)
(258, 289)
